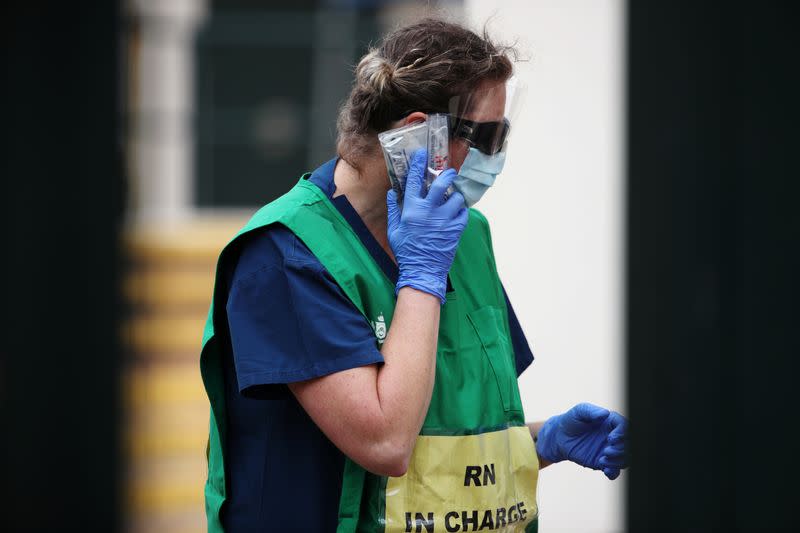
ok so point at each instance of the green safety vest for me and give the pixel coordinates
(474, 465)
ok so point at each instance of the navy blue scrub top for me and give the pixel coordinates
(289, 321)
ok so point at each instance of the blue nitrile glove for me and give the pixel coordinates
(588, 435)
(424, 236)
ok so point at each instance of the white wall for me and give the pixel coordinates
(557, 225)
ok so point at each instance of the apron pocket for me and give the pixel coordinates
(487, 322)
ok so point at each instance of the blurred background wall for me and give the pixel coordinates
(712, 266)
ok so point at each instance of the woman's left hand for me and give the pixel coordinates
(587, 435)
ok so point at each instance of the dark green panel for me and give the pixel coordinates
(268, 84)
(248, 76)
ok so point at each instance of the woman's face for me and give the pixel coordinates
(488, 106)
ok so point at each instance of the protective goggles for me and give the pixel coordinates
(482, 118)
(488, 137)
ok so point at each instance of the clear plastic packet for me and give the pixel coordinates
(400, 144)
(438, 149)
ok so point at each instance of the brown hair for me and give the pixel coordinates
(415, 68)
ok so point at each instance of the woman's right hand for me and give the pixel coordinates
(425, 235)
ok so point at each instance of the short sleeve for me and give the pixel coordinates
(523, 356)
(288, 319)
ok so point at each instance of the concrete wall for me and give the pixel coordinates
(557, 224)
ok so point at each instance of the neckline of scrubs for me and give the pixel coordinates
(323, 178)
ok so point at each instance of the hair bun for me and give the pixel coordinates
(374, 71)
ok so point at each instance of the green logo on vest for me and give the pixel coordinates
(379, 326)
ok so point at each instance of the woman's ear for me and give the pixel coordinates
(416, 116)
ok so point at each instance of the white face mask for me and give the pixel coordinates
(477, 174)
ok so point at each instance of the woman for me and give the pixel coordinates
(361, 357)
